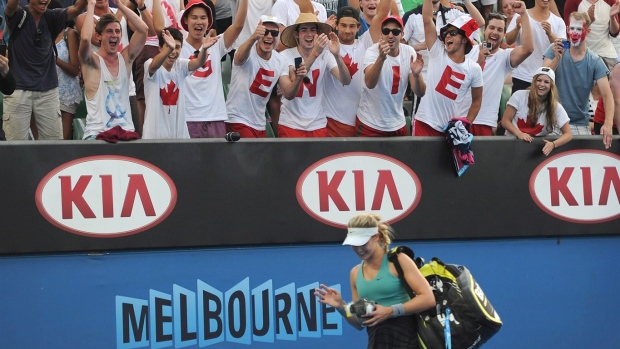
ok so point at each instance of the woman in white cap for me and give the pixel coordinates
(536, 112)
(389, 325)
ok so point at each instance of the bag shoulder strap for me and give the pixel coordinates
(15, 32)
(393, 257)
(47, 14)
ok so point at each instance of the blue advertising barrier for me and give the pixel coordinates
(549, 292)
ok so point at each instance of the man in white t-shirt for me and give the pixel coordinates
(303, 116)
(342, 101)
(546, 28)
(256, 9)
(450, 74)
(496, 64)
(256, 69)
(388, 67)
(164, 86)
(603, 14)
(205, 107)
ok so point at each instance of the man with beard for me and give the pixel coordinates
(576, 72)
(388, 67)
(107, 72)
(33, 65)
(205, 106)
(450, 74)
(256, 69)
(496, 64)
(341, 102)
(303, 116)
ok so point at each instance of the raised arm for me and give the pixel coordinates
(75, 9)
(207, 42)
(160, 58)
(513, 31)
(341, 72)
(375, 26)
(232, 32)
(139, 36)
(149, 18)
(11, 7)
(418, 86)
(557, 50)
(373, 71)
(474, 13)
(520, 53)
(85, 52)
(243, 52)
(290, 86)
(614, 27)
(430, 31)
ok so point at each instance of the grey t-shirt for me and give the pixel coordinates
(31, 56)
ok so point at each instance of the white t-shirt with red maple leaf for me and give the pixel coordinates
(382, 107)
(204, 96)
(519, 101)
(305, 111)
(341, 102)
(164, 117)
(250, 87)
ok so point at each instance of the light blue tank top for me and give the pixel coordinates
(385, 288)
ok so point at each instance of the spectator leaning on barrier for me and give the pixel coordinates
(536, 112)
(342, 101)
(450, 74)
(164, 86)
(546, 28)
(599, 114)
(257, 67)
(576, 71)
(33, 65)
(496, 64)
(375, 279)
(388, 67)
(107, 72)
(205, 106)
(303, 116)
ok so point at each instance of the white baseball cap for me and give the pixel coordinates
(545, 71)
(271, 19)
(359, 236)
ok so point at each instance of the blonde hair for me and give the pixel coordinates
(370, 220)
(548, 105)
(580, 16)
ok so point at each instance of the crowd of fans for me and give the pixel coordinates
(310, 69)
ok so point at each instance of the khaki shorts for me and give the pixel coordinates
(43, 105)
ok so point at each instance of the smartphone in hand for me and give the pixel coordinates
(3, 49)
(298, 61)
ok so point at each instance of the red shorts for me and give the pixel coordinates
(481, 130)
(287, 132)
(422, 129)
(367, 131)
(245, 131)
(338, 129)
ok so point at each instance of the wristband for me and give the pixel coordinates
(398, 310)
(316, 55)
(142, 8)
(553, 142)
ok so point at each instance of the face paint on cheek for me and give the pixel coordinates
(577, 32)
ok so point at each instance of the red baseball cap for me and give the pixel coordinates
(393, 18)
(191, 4)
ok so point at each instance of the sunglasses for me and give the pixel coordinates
(497, 15)
(274, 32)
(37, 37)
(387, 31)
(453, 32)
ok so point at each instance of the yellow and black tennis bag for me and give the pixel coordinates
(463, 315)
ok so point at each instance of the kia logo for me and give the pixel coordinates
(106, 196)
(580, 186)
(338, 187)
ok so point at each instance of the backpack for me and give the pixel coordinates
(463, 317)
(15, 33)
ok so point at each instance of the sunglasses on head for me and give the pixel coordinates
(453, 32)
(497, 15)
(274, 32)
(395, 32)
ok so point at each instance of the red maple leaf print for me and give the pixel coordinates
(169, 95)
(350, 65)
(526, 127)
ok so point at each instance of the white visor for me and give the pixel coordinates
(359, 236)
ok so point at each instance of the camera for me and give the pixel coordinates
(360, 307)
(566, 44)
(487, 45)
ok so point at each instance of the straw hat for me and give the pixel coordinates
(288, 34)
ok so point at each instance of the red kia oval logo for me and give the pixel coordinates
(580, 186)
(338, 187)
(106, 196)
